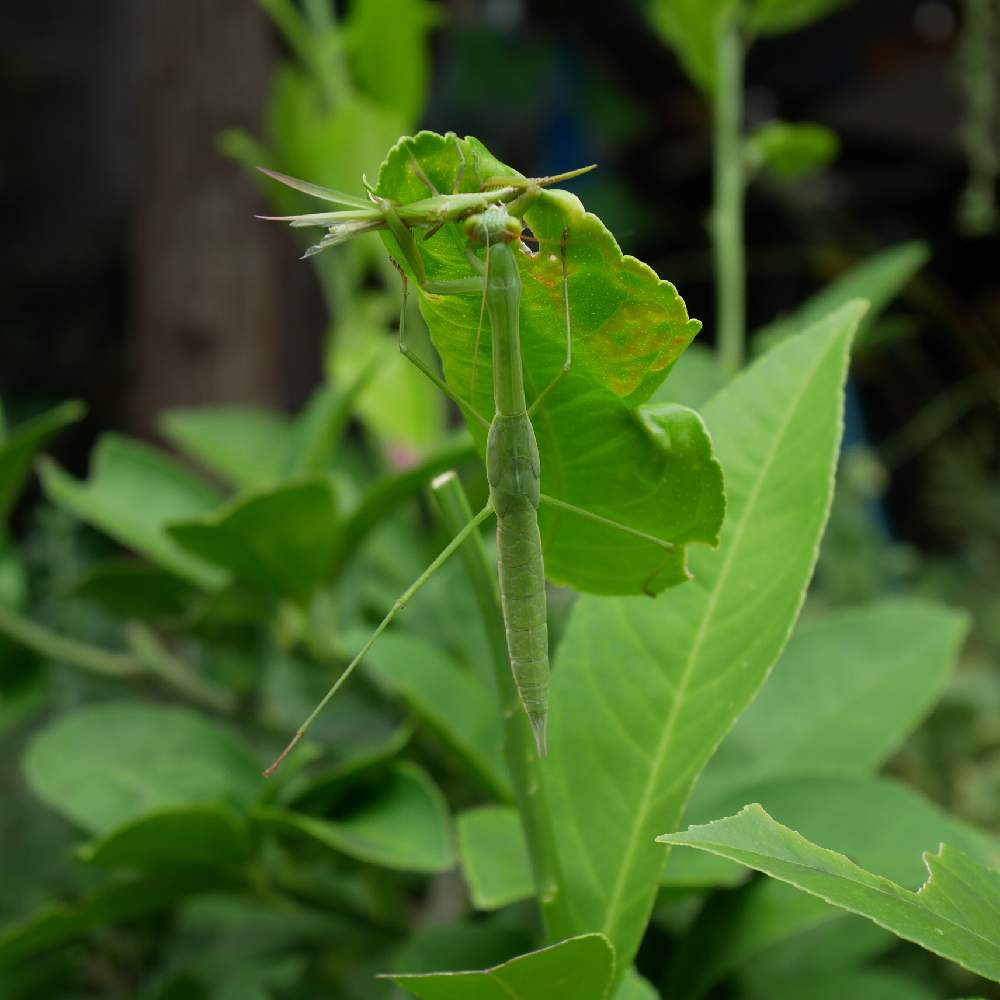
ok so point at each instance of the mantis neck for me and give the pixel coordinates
(503, 301)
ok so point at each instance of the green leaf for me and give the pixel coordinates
(775, 17)
(133, 492)
(580, 967)
(19, 446)
(879, 823)
(105, 765)
(246, 446)
(452, 701)
(279, 539)
(692, 29)
(460, 946)
(867, 984)
(879, 279)
(792, 150)
(494, 856)
(634, 987)
(207, 836)
(849, 688)
(402, 824)
(650, 467)
(387, 42)
(955, 913)
(643, 691)
(133, 589)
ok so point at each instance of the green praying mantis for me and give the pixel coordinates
(492, 222)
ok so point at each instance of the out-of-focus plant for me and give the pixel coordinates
(348, 90)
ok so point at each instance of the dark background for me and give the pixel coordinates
(135, 277)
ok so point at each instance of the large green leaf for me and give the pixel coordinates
(649, 467)
(246, 446)
(580, 967)
(955, 913)
(402, 823)
(280, 539)
(133, 492)
(643, 691)
(849, 688)
(451, 700)
(879, 823)
(206, 836)
(108, 764)
(19, 447)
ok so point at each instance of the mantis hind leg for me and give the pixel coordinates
(668, 547)
(568, 362)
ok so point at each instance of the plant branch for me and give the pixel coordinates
(729, 186)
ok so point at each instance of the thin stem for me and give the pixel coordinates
(56, 647)
(518, 743)
(446, 553)
(156, 659)
(727, 213)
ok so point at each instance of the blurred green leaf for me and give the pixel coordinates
(634, 987)
(792, 150)
(692, 27)
(133, 589)
(104, 765)
(494, 856)
(849, 688)
(279, 539)
(775, 17)
(580, 967)
(133, 492)
(954, 914)
(209, 836)
(627, 744)
(246, 446)
(629, 328)
(865, 984)
(879, 279)
(19, 446)
(452, 701)
(402, 823)
(387, 42)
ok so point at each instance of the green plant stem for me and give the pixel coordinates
(729, 185)
(145, 657)
(155, 659)
(56, 647)
(518, 743)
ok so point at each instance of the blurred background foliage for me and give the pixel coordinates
(247, 429)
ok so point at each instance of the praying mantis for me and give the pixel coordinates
(492, 222)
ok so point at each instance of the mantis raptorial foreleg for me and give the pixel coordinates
(415, 359)
(443, 556)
